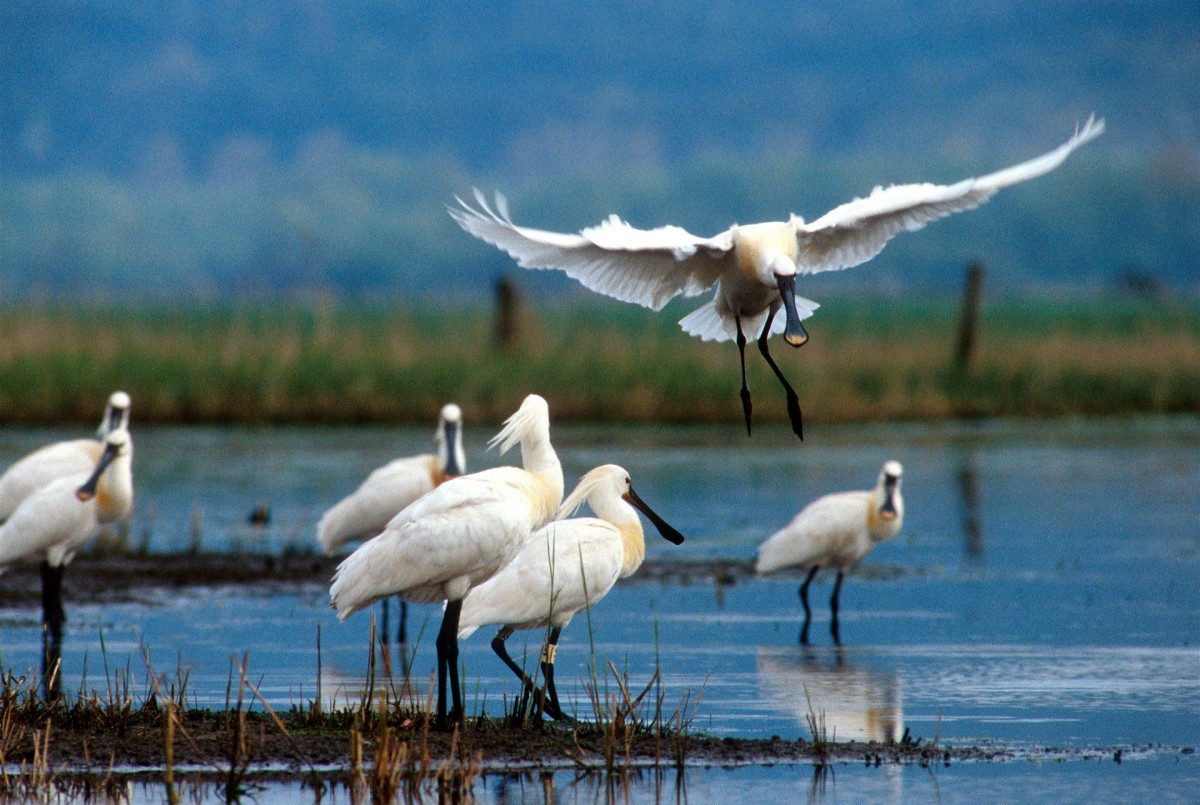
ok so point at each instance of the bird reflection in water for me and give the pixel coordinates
(856, 703)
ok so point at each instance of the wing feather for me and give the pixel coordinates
(577, 555)
(367, 510)
(646, 267)
(855, 232)
(52, 516)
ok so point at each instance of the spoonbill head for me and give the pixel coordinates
(367, 510)
(116, 414)
(60, 459)
(458, 536)
(111, 482)
(452, 461)
(564, 567)
(836, 531)
(753, 268)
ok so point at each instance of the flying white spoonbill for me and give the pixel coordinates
(60, 459)
(836, 531)
(563, 568)
(753, 267)
(457, 536)
(367, 510)
(58, 519)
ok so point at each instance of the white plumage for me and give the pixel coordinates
(367, 510)
(57, 520)
(563, 568)
(836, 531)
(582, 557)
(61, 459)
(458, 535)
(752, 267)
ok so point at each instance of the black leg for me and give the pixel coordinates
(402, 631)
(51, 664)
(447, 651)
(384, 621)
(807, 610)
(793, 400)
(52, 607)
(502, 652)
(53, 617)
(741, 345)
(552, 707)
(833, 606)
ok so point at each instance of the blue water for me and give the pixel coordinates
(1043, 592)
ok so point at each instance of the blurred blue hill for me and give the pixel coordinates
(186, 148)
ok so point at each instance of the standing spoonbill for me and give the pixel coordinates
(60, 459)
(57, 520)
(458, 536)
(835, 530)
(564, 567)
(367, 510)
(753, 267)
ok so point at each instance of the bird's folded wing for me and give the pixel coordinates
(646, 267)
(51, 515)
(858, 230)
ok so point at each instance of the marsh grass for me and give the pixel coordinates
(380, 749)
(593, 359)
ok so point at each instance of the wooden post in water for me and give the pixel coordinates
(968, 324)
(197, 527)
(508, 314)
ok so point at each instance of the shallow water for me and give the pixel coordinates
(1159, 777)
(1042, 592)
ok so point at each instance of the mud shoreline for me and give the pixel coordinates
(203, 739)
(130, 577)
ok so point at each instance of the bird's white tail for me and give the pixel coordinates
(708, 325)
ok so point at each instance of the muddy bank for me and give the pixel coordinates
(210, 741)
(101, 579)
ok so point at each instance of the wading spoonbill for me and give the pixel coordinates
(835, 531)
(564, 567)
(367, 510)
(457, 536)
(753, 267)
(58, 519)
(60, 459)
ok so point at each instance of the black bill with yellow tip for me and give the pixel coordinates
(88, 490)
(793, 332)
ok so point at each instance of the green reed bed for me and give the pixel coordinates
(593, 359)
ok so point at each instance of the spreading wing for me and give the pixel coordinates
(858, 230)
(646, 267)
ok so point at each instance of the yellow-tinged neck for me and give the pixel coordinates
(633, 543)
(114, 491)
(545, 496)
